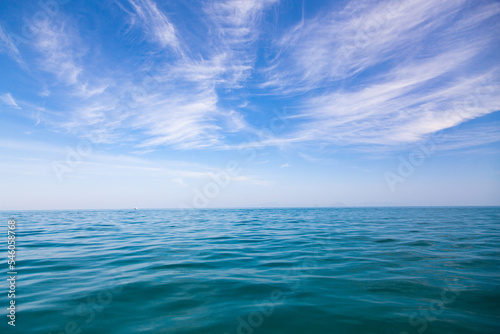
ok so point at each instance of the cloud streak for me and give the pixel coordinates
(8, 46)
(9, 100)
(155, 23)
(370, 73)
(58, 52)
(430, 55)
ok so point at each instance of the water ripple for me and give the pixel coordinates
(349, 270)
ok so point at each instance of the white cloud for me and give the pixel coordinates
(236, 27)
(59, 52)
(463, 138)
(155, 23)
(428, 55)
(8, 46)
(336, 45)
(185, 113)
(402, 108)
(431, 61)
(237, 20)
(183, 121)
(9, 100)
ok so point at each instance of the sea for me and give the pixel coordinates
(392, 270)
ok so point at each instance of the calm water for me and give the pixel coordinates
(352, 270)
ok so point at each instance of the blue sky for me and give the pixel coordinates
(175, 104)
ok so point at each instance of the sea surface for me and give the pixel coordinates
(226, 271)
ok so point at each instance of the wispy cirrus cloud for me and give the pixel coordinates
(9, 100)
(237, 22)
(155, 23)
(336, 45)
(7, 46)
(236, 26)
(58, 50)
(457, 139)
(370, 73)
(394, 114)
(431, 61)
(182, 121)
(185, 113)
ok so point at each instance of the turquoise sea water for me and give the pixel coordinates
(348, 270)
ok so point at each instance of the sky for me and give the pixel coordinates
(249, 103)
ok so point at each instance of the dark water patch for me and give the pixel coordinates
(380, 241)
(419, 243)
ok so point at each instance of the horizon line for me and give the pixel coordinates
(268, 207)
